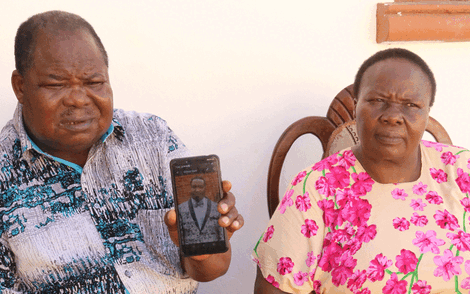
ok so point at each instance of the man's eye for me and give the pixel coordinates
(54, 86)
(95, 83)
(411, 105)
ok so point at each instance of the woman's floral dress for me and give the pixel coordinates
(336, 230)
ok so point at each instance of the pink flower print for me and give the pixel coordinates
(326, 163)
(363, 183)
(310, 259)
(466, 282)
(303, 202)
(344, 196)
(463, 181)
(377, 267)
(352, 246)
(417, 204)
(401, 224)
(357, 211)
(428, 242)
(343, 235)
(406, 261)
(329, 258)
(421, 287)
(357, 280)
(366, 233)
(446, 220)
(439, 175)
(300, 278)
(347, 160)
(364, 291)
(419, 220)
(434, 198)
(269, 234)
(435, 145)
(341, 273)
(461, 240)
(393, 286)
(338, 177)
(310, 228)
(468, 163)
(447, 265)
(420, 188)
(449, 158)
(322, 186)
(286, 201)
(466, 204)
(330, 214)
(272, 281)
(399, 194)
(299, 178)
(316, 286)
(285, 265)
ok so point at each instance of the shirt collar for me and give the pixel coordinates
(27, 144)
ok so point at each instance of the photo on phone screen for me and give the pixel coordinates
(197, 189)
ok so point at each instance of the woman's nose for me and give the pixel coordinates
(392, 114)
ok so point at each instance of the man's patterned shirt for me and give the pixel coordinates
(99, 229)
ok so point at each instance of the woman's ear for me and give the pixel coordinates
(17, 82)
(354, 108)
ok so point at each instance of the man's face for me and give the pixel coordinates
(198, 189)
(66, 95)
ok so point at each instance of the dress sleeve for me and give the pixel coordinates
(289, 249)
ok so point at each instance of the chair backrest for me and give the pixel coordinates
(339, 121)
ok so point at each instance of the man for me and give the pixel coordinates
(85, 190)
(199, 216)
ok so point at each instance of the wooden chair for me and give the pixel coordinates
(340, 114)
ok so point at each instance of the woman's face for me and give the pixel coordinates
(392, 109)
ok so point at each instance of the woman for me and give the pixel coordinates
(388, 215)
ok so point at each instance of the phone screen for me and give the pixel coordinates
(197, 189)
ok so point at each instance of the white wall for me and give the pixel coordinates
(230, 76)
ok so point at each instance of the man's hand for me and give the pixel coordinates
(210, 266)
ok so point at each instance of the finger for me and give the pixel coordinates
(227, 219)
(227, 203)
(226, 186)
(170, 221)
(200, 257)
(237, 224)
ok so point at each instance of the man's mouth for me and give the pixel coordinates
(77, 125)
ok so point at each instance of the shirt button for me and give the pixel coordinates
(128, 273)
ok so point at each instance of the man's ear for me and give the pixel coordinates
(17, 82)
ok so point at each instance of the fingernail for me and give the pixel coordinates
(236, 224)
(224, 207)
(225, 220)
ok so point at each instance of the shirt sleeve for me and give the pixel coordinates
(8, 278)
(288, 251)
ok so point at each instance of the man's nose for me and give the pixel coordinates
(77, 96)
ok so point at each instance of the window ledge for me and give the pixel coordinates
(423, 21)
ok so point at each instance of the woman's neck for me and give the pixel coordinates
(386, 171)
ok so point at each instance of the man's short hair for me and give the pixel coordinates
(197, 178)
(395, 53)
(51, 22)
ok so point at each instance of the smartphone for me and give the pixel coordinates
(197, 189)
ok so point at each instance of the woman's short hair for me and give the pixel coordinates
(395, 53)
